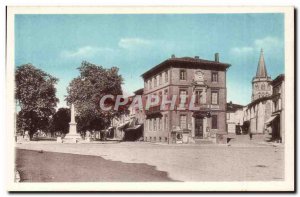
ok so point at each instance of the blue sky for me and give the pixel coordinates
(135, 43)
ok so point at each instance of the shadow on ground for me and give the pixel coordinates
(39, 166)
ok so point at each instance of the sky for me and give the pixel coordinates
(135, 43)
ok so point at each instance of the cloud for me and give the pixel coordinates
(124, 44)
(269, 44)
(86, 51)
(241, 50)
(131, 43)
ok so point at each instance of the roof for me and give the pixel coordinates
(259, 100)
(278, 79)
(233, 107)
(187, 61)
(139, 91)
(261, 67)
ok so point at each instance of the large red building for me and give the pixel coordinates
(187, 76)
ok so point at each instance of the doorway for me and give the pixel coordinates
(199, 128)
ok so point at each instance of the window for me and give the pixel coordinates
(263, 86)
(166, 92)
(183, 124)
(160, 94)
(159, 124)
(182, 74)
(155, 81)
(215, 97)
(154, 124)
(153, 97)
(150, 125)
(149, 84)
(166, 77)
(214, 122)
(181, 93)
(160, 79)
(228, 116)
(214, 76)
(276, 90)
(166, 122)
(200, 97)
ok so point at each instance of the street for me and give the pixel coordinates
(151, 162)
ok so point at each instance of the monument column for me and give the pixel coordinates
(72, 136)
(72, 128)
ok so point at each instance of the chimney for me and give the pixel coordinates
(173, 56)
(196, 57)
(216, 57)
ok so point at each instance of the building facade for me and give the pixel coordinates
(234, 118)
(276, 122)
(187, 76)
(129, 126)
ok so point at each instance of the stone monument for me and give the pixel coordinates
(88, 137)
(72, 136)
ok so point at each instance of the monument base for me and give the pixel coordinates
(72, 138)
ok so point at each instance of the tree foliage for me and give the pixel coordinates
(60, 120)
(35, 95)
(86, 90)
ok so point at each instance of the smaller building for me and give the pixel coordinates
(276, 122)
(129, 126)
(234, 118)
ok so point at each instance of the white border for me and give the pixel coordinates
(288, 184)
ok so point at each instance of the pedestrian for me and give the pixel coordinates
(250, 135)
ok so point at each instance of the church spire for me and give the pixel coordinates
(261, 68)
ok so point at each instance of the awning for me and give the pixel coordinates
(156, 114)
(123, 125)
(271, 119)
(201, 114)
(135, 127)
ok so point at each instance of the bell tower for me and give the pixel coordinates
(261, 83)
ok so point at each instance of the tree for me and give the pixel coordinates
(35, 95)
(60, 120)
(86, 90)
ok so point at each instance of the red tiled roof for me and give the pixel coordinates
(206, 64)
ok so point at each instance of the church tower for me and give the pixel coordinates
(261, 83)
